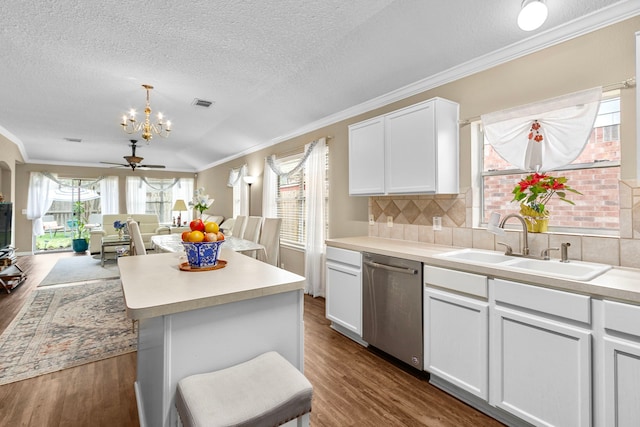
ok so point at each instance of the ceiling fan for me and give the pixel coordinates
(134, 161)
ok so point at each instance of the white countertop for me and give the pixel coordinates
(619, 283)
(153, 285)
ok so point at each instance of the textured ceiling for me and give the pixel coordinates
(70, 69)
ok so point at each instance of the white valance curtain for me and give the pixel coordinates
(544, 135)
(313, 162)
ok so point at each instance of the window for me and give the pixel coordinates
(159, 199)
(595, 173)
(290, 200)
(157, 196)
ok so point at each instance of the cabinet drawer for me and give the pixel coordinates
(621, 317)
(344, 256)
(548, 301)
(468, 283)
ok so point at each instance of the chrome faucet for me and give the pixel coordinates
(564, 252)
(525, 235)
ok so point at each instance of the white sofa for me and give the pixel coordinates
(149, 226)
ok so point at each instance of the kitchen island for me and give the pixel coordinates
(192, 322)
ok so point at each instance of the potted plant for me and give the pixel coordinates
(533, 193)
(80, 242)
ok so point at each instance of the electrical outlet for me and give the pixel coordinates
(389, 221)
(371, 221)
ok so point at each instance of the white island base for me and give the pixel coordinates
(224, 330)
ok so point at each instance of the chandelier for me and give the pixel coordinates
(131, 125)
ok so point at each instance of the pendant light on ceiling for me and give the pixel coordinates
(532, 15)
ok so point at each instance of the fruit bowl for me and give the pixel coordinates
(202, 254)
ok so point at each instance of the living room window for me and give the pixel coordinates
(98, 196)
(595, 173)
(157, 196)
(291, 201)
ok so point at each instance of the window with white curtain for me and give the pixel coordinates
(290, 200)
(157, 196)
(240, 191)
(595, 173)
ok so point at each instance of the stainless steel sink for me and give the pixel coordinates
(476, 256)
(573, 270)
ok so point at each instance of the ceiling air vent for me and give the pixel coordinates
(73, 139)
(201, 103)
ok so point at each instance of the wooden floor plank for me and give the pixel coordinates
(353, 386)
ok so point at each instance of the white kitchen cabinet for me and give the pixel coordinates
(419, 152)
(540, 354)
(456, 339)
(344, 291)
(621, 364)
(366, 157)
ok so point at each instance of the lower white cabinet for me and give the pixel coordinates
(621, 364)
(456, 340)
(540, 352)
(344, 289)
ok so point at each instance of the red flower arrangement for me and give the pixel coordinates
(536, 189)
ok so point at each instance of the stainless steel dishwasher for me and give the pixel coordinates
(392, 307)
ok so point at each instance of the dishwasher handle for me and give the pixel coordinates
(391, 268)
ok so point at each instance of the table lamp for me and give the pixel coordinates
(180, 206)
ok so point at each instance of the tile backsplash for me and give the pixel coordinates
(413, 220)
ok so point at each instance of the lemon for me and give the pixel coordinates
(211, 227)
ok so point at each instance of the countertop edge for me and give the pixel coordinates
(195, 304)
(619, 283)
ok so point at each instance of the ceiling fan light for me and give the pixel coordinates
(532, 15)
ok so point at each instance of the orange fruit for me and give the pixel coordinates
(185, 236)
(196, 236)
(211, 227)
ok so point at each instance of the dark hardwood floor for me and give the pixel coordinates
(353, 386)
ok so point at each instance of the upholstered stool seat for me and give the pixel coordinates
(264, 391)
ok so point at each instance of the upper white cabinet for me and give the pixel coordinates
(366, 157)
(408, 151)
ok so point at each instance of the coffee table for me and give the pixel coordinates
(112, 241)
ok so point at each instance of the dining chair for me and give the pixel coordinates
(137, 244)
(270, 239)
(252, 229)
(252, 232)
(238, 226)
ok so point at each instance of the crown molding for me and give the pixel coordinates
(572, 29)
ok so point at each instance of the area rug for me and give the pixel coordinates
(63, 327)
(80, 268)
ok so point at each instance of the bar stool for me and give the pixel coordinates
(264, 391)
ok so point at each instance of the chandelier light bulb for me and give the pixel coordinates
(532, 15)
